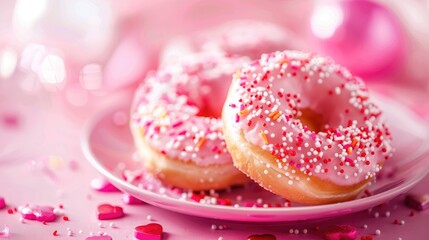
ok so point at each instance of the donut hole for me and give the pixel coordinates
(313, 120)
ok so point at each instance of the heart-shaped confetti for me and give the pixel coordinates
(39, 213)
(342, 232)
(2, 203)
(262, 237)
(4, 233)
(107, 211)
(102, 185)
(419, 202)
(104, 237)
(130, 200)
(151, 231)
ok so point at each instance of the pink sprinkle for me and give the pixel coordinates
(242, 83)
(214, 148)
(177, 124)
(102, 185)
(232, 105)
(182, 132)
(2, 203)
(237, 118)
(130, 200)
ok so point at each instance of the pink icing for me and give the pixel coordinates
(178, 108)
(267, 97)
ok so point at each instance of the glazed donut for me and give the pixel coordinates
(304, 128)
(177, 127)
(248, 38)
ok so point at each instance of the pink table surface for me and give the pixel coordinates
(43, 129)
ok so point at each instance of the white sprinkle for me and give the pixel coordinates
(213, 227)
(149, 217)
(100, 225)
(296, 231)
(22, 220)
(402, 222)
(376, 215)
(305, 231)
(378, 232)
(365, 226)
(387, 214)
(80, 231)
(112, 225)
(291, 231)
(220, 238)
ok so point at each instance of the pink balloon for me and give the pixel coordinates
(362, 35)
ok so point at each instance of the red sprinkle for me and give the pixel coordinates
(10, 211)
(55, 233)
(65, 218)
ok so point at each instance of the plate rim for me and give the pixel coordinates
(342, 207)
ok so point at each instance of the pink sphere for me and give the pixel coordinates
(362, 35)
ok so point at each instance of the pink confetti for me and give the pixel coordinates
(4, 232)
(342, 232)
(151, 231)
(107, 211)
(130, 200)
(2, 203)
(39, 213)
(104, 237)
(102, 185)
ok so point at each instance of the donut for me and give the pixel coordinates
(304, 128)
(248, 38)
(176, 123)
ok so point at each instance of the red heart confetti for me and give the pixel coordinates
(262, 237)
(151, 231)
(102, 185)
(130, 200)
(2, 203)
(104, 237)
(418, 202)
(341, 232)
(39, 213)
(107, 211)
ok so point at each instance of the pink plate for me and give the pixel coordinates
(108, 145)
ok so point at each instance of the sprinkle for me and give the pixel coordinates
(112, 225)
(201, 142)
(243, 112)
(263, 136)
(349, 150)
(65, 218)
(354, 142)
(237, 74)
(55, 233)
(273, 113)
(378, 232)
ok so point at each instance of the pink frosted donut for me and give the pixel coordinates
(248, 38)
(304, 128)
(177, 127)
